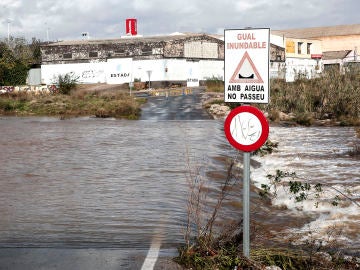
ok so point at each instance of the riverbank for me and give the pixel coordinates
(95, 100)
(103, 100)
(214, 103)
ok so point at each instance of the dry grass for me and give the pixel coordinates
(331, 96)
(81, 102)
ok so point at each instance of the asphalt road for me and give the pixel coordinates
(182, 107)
(83, 259)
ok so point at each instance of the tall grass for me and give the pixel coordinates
(76, 103)
(214, 84)
(333, 95)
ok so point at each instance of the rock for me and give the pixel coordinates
(272, 268)
(286, 117)
(218, 110)
(324, 256)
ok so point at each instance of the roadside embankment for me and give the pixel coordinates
(97, 100)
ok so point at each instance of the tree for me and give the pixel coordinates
(16, 58)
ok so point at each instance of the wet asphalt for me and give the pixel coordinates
(80, 259)
(180, 107)
(158, 108)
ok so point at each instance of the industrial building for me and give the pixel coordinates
(177, 58)
(188, 59)
(185, 59)
(310, 51)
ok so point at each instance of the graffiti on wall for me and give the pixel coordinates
(34, 89)
(91, 74)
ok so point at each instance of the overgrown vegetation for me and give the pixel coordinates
(214, 84)
(66, 82)
(77, 103)
(331, 96)
(16, 58)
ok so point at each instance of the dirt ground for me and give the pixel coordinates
(102, 86)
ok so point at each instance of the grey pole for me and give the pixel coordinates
(246, 205)
(149, 74)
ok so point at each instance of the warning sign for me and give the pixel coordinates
(247, 65)
(246, 72)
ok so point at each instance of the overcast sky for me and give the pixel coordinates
(67, 19)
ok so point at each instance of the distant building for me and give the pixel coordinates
(187, 59)
(311, 50)
(340, 60)
(333, 38)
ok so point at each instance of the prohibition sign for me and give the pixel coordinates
(246, 128)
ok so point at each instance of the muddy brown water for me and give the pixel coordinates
(106, 183)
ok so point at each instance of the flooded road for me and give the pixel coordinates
(103, 183)
(118, 184)
(180, 107)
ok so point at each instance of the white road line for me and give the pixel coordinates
(152, 255)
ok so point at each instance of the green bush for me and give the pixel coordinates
(16, 58)
(66, 83)
(333, 95)
(214, 84)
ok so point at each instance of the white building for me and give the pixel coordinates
(186, 59)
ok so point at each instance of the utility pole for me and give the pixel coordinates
(47, 32)
(149, 74)
(8, 30)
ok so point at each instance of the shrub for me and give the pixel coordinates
(214, 84)
(333, 94)
(66, 82)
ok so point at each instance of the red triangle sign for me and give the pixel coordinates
(246, 72)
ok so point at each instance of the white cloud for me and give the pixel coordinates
(8, 4)
(244, 6)
(66, 19)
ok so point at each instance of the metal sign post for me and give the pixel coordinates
(246, 129)
(149, 74)
(246, 77)
(246, 205)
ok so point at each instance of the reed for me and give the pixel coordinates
(75, 103)
(333, 95)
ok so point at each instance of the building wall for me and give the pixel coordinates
(302, 48)
(338, 43)
(86, 72)
(341, 63)
(126, 70)
(186, 58)
(188, 46)
(299, 67)
(189, 59)
(34, 76)
(277, 70)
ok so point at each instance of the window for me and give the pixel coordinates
(308, 48)
(93, 54)
(146, 50)
(67, 55)
(299, 47)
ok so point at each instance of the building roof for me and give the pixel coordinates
(335, 55)
(129, 39)
(319, 32)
